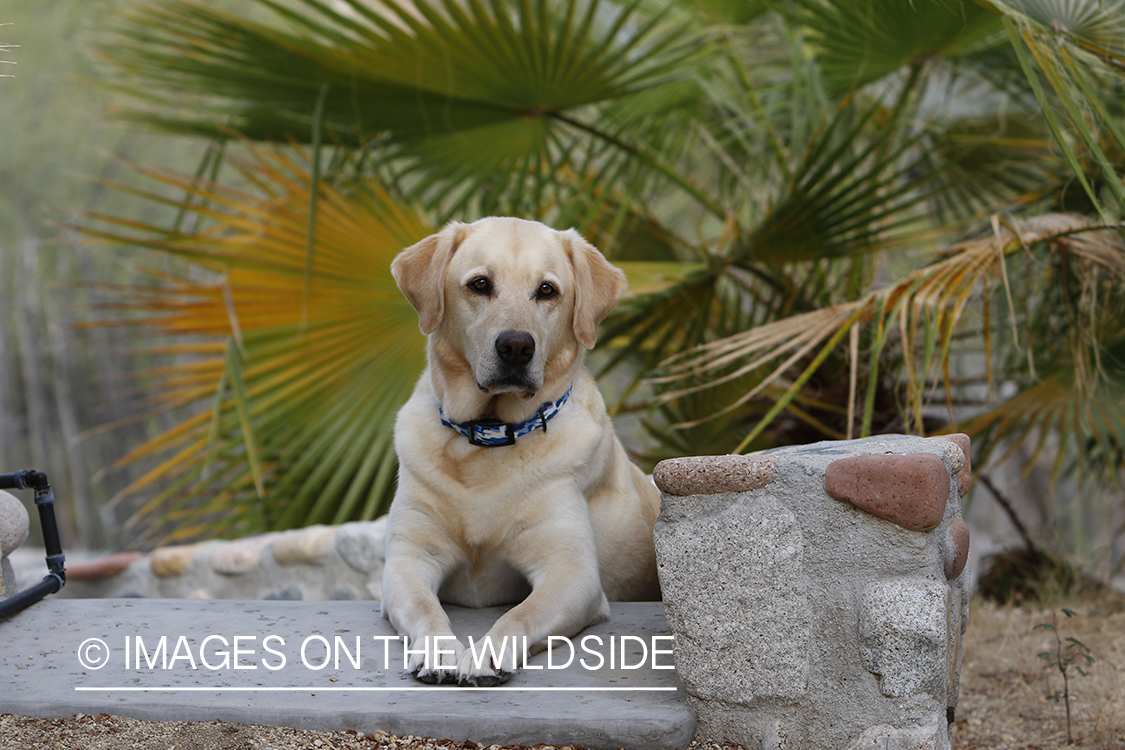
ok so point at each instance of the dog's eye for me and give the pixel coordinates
(481, 285)
(546, 290)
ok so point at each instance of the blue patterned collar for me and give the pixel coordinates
(491, 433)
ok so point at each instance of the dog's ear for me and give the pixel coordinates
(597, 287)
(419, 271)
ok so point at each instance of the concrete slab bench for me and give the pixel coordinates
(335, 683)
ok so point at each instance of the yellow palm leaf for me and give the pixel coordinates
(300, 374)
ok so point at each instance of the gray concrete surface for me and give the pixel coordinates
(41, 673)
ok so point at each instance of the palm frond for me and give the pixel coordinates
(295, 376)
(1074, 45)
(925, 310)
(861, 42)
(460, 89)
(731, 11)
(849, 195)
(746, 163)
(986, 162)
(1085, 431)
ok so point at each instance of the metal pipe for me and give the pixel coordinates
(56, 560)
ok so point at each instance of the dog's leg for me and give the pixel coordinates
(411, 580)
(566, 597)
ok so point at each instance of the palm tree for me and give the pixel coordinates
(770, 175)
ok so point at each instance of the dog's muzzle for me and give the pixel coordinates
(515, 348)
(515, 351)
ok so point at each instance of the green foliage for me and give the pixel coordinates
(467, 93)
(60, 385)
(861, 42)
(759, 169)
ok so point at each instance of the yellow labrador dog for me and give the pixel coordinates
(512, 485)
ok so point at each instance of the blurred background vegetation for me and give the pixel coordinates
(839, 218)
(60, 382)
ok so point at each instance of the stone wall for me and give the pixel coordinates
(317, 563)
(818, 594)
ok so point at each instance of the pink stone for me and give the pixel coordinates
(909, 490)
(105, 567)
(956, 547)
(307, 546)
(239, 556)
(710, 475)
(965, 475)
(168, 562)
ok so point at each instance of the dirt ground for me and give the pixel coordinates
(1004, 684)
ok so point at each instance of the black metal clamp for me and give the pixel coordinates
(45, 503)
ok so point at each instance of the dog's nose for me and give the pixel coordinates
(515, 347)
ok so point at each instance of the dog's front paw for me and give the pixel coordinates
(436, 662)
(476, 672)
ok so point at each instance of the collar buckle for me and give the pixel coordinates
(481, 430)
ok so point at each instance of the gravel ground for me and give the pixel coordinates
(1004, 684)
(105, 732)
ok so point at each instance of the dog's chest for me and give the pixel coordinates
(536, 458)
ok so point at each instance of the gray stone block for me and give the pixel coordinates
(818, 594)
(13, 524)
(904, 636)
(748, 556)
(362, 545)
(885, 737)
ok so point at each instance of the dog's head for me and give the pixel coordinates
(514, 298)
